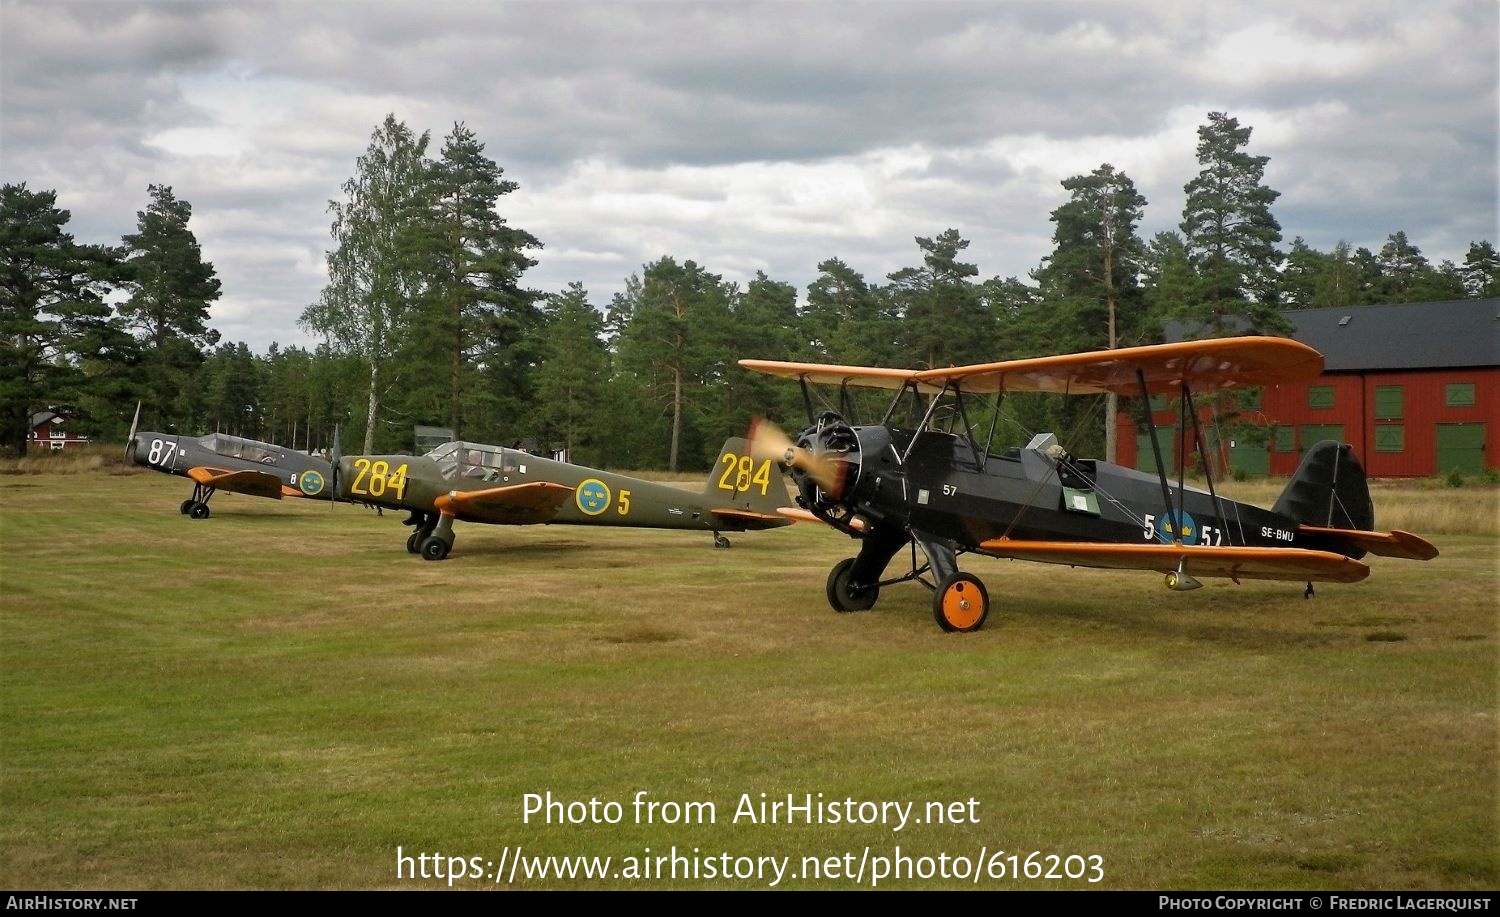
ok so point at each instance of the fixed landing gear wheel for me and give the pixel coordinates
(842, 597)
(720, 541)
(198, 511)
(414, 542)
(186, 507)
(960, 604)
(435, 548)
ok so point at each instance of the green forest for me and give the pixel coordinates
(427, 317)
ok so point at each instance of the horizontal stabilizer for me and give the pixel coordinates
(1386, 544)
(750, 519)
(797, 514)
(518, 504)
(1236, 563)
(253, 483)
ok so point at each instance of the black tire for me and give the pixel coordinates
(435, 548)
(839, 595)
(198, 511)
(720, 541)
(413, 542)
(961, 603)
(186, 506)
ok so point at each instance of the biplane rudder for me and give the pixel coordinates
(1329, 491)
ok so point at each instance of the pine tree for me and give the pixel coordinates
(475, 312)
(171, 289)
(574, 374)
(1481, 270)
(1230, 233)
(1095, 265)
(943, 319)
(53, 317)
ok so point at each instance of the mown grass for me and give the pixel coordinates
(279, 696)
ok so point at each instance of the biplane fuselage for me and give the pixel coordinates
(946, 488)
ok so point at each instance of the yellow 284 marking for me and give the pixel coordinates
(375, 479)
(741, 473)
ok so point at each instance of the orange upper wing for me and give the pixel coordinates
(1200, 365)
(254, 483)
(517, 504)
(1295, 564)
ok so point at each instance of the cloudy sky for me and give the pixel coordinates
(746, 136)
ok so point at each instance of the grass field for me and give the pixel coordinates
(280, 697)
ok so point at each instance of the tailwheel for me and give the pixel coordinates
(844, 597)
(720, 541)
(961, 603)
(435, 548)
(198, 510)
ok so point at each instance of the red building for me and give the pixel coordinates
(1414, 387)
(49, 430)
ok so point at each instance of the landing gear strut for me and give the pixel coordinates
(196, 506)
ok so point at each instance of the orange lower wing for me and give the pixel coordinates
(253, 483)
(1294, 564)
(518, 504)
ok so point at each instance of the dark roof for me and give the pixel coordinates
(1463, 333)
(41, 418)
(1454, 334)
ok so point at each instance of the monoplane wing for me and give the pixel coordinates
(1199, 365)
(517, 504)
(254, 483)
(1387, 544)
(1237, 563)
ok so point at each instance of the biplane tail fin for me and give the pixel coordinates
(1329, 490)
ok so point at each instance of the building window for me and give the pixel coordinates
(1320, 397)
(1390, 438)
(1159, 403)
(1389, 402)
(1459, 395)
(1286, 439)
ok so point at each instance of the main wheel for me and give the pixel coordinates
(414, 542)
(960, 604)
(844, 598)
(186, 507)
(198, 511)
(435, 548)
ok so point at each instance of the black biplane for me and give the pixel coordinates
(935, 484)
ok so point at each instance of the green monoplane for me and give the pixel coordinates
(499, 486)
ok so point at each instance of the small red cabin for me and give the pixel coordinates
(49, 430)
(1414, 387)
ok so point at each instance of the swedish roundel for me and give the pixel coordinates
(310, 483)
(592, 497)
